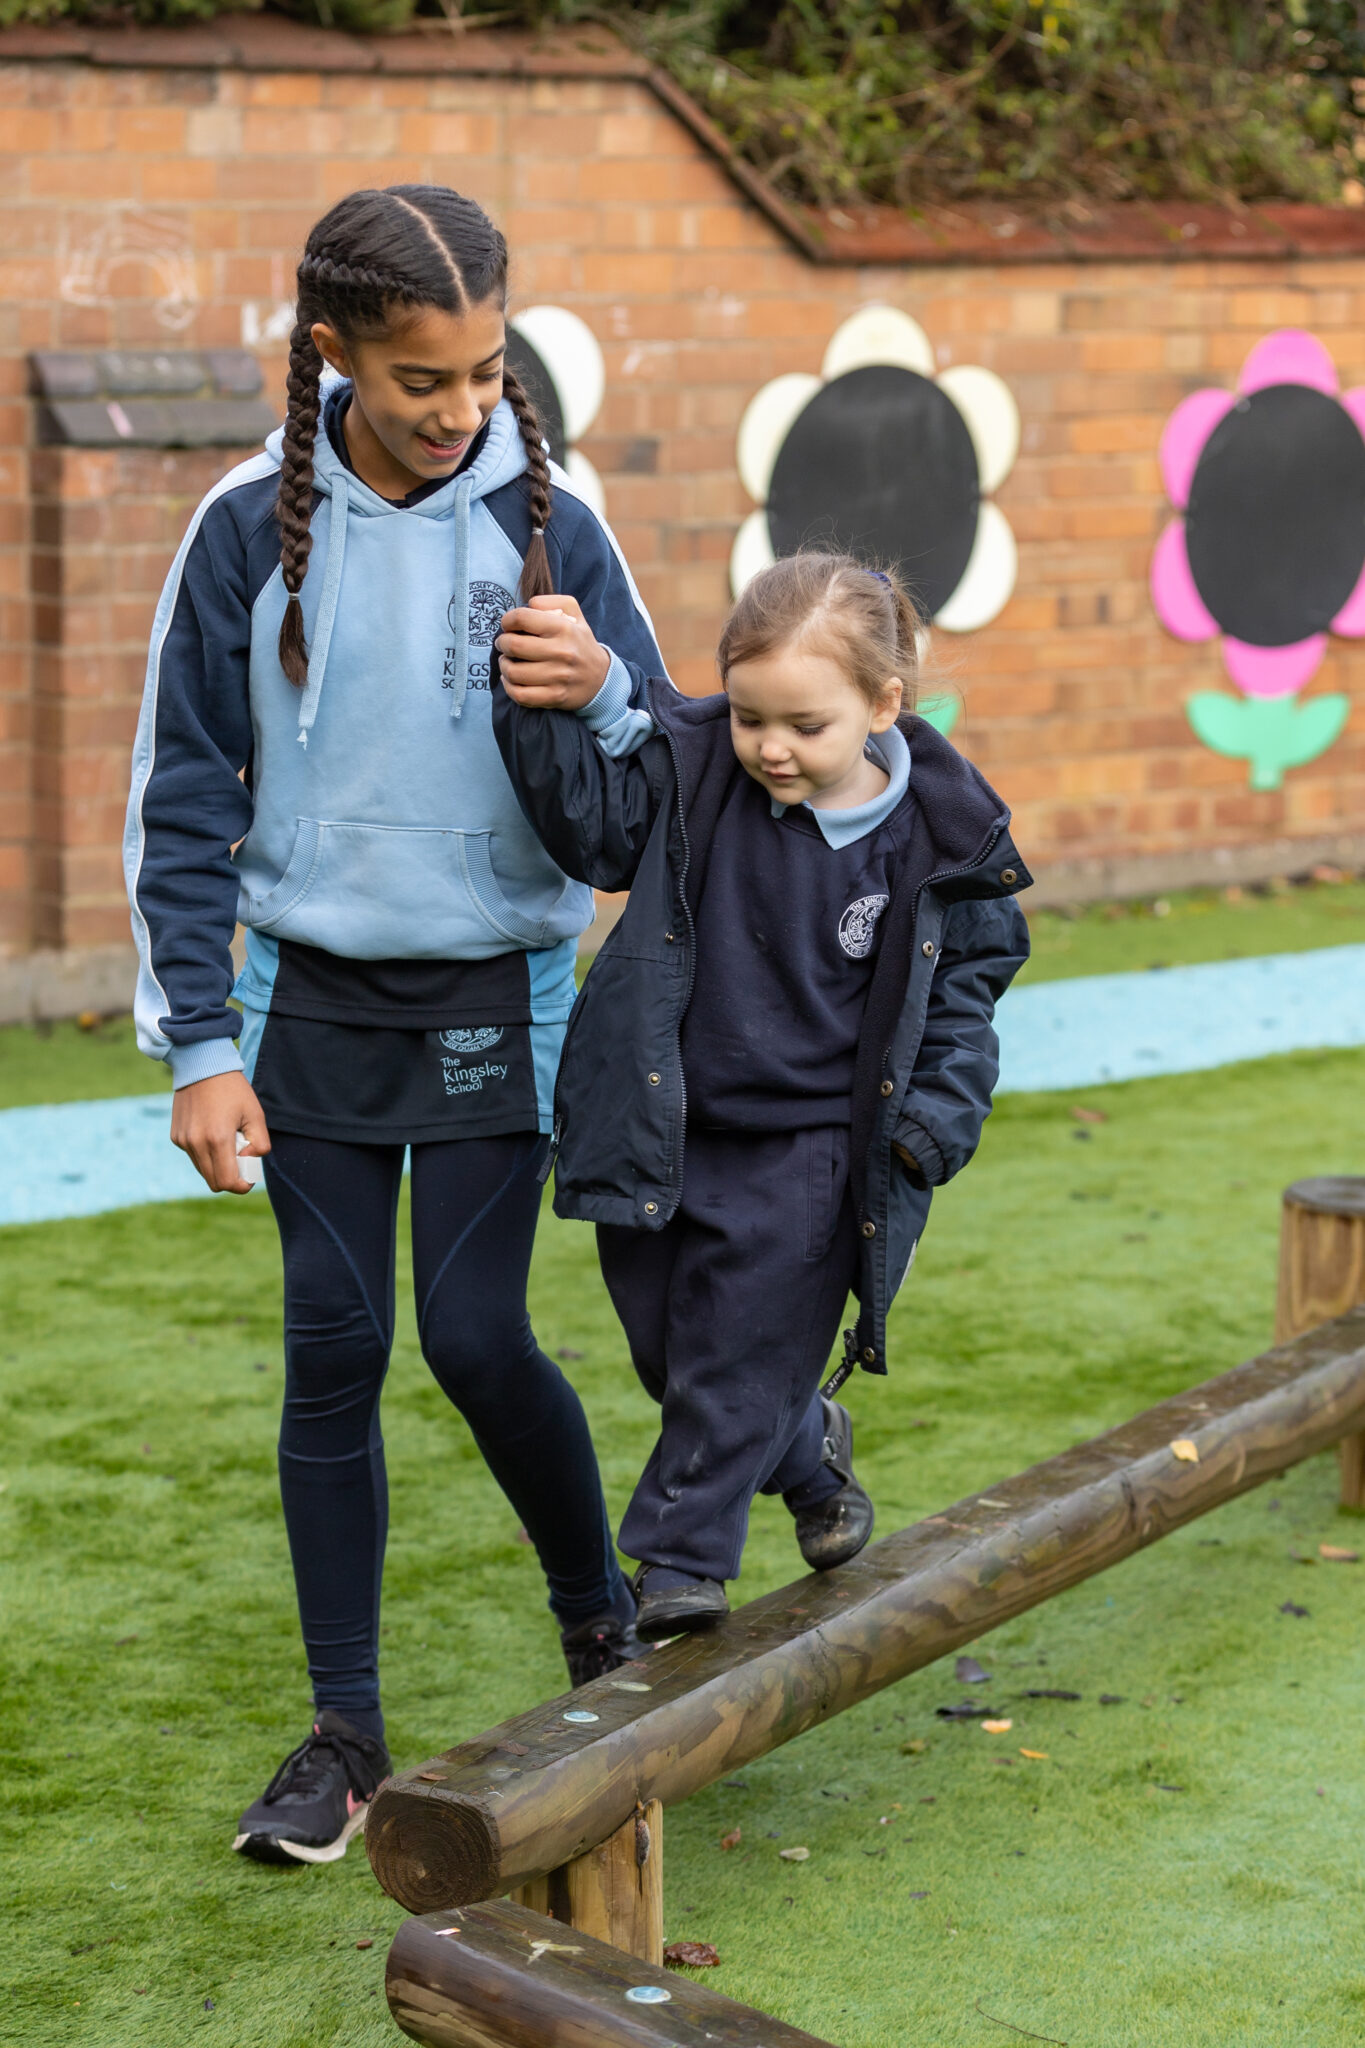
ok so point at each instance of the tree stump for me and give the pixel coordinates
(615, 1892)
(1322, 1275)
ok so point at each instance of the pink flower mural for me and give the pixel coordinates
(1269, 550)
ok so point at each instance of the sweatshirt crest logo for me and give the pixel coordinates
(465, 1042)
(858, 925)
(487, 603)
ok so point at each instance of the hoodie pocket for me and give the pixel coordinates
(384, 892)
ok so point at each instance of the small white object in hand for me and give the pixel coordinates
(250, 1168)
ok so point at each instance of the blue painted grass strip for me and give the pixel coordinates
(1176, 1020)
(79, 1158)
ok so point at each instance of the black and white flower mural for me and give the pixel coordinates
(557, 357)
(889, 458)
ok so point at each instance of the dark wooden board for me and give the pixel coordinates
(499, 1976)
(541, 1789)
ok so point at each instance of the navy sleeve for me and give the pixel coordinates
(188, 806)
(983, 947)
(592, 813)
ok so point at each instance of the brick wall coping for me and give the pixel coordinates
(975, 232)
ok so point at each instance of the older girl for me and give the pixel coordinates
(316, 758)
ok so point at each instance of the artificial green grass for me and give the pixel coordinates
(1066, 1281)
(61, 1062)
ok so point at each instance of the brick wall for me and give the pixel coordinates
(163, 203)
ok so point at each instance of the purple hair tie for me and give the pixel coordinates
(881, 576)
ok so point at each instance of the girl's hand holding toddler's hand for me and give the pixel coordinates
(205, 1120)
(548, 656)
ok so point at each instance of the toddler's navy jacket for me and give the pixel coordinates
(951, 941)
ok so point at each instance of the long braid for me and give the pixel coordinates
(536, 580)
(294, 505)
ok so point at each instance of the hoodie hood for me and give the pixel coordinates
(500, 459)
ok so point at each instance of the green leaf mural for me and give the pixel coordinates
(1270, 733)
(940, 712)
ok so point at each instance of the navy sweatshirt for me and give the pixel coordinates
(787, 929)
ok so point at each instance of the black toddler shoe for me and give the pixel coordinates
(836, 1528)
(681, 1607)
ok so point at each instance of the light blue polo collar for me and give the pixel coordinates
(891, 751)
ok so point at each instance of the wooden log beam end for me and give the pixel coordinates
(425, 1852)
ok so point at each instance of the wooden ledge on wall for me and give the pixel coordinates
(973, 232)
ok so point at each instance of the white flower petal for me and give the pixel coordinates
(568, 348)
(987, 405)
(765, 425)
(752, 551)
(586, 481)
(879, 334)
(988, 579)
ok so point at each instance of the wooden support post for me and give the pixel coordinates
(541, 1790)
(615, 1892)
(498, 1976)
(1322, 1274)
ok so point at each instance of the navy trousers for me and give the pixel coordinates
(475, 1202)
(731, 1311)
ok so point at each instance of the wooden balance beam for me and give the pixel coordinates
(552, 1798)
(500, 1974)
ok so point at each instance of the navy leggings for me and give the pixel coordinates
(475, 1203)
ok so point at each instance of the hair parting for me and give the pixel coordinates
(862, 618)
(373, 254)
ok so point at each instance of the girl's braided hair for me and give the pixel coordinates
(864, 619)
(372, 256)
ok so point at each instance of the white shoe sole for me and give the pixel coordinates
(330, 1852)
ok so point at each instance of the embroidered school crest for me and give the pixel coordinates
(467, 1042)
(487, 603)
(858, 925)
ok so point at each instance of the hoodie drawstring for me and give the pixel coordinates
(460, 608)
(327, 604)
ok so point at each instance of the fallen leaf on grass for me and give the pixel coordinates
(1334, 1554)
(1292, 1607)
(916, 1746)
(965, 1710)
(918, 1895)
(794, 1855)
(732, 1840)
(1111, 1699)
(1090, 1116)
(996, 1727)
(1035, 1756)
(368, 1942)
(1186, 1449)
(1050, 1692)
(565, 1352)
(968, 1672)
(690, 1955)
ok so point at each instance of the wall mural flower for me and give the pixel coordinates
(1270, 550)
(891, 460)
(557, 357)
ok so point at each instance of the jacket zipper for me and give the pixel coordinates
(691, 949)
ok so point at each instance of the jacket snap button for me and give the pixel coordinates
(888, 1087)
(869, 1230)
(654, 1080)
(1008, 875)
(651, 1208)
(669, 936)
(928, 949)
(870, 1355)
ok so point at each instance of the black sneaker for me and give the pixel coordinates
(835, 1529)
(596, 1647)
(679, 1609)
(318, 1798)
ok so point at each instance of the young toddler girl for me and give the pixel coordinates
(783, 1046)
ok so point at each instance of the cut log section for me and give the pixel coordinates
(500, 1976)
(1322, 1274)
(544, 1788)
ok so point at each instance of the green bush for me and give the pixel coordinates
(937, 100)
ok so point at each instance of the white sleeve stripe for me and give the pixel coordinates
(564, 482)
(151, 1000)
